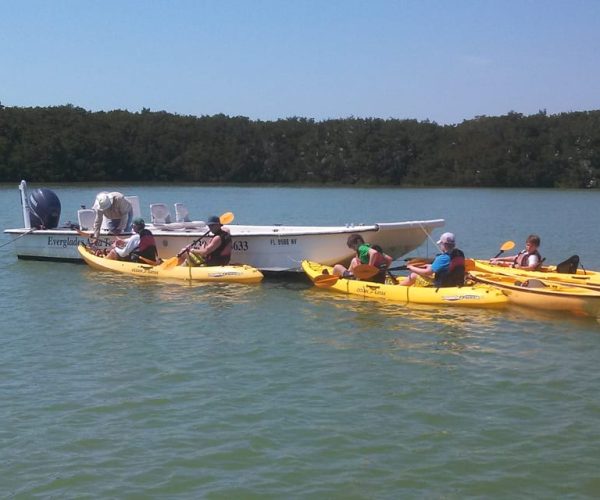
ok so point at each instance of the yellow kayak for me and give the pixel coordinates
(544, 294)
(470, 296)
(232, 273)
(589, 279)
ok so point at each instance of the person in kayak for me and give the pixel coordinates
(365, 254)
(218, 250)
(140, 247)
(447, 269)
(116, 209)
(529, 258)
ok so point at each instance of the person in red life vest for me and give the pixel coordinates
(447, 269)
(140, 247)
(365, 254)
(216, 253)
(529, 258)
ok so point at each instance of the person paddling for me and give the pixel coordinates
(529, 258)
(218, 250)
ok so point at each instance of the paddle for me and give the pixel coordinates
(507, 245)
(226, 218)
(326, 280)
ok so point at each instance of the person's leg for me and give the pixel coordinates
(409, 280)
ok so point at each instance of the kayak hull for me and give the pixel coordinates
(465, 296)
(589, 279)
(231, 273)
(544, 294)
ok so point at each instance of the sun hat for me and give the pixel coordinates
(213, 220)
(103, 201)
(138, 221)
(447, 238)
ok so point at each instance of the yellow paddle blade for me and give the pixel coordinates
(226, 218)
(169, 263)
(326, 280)
(507, 245)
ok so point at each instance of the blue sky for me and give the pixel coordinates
(444, 61)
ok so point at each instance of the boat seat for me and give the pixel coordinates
(159, 213)
(182, 214)
(86, 218)
(135, 204)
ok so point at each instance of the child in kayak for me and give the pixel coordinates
(365, 254)
(528, 258)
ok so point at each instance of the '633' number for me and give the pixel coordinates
(240, 245)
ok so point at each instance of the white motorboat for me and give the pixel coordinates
(268, 248)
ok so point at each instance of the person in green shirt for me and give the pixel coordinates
(365, 254)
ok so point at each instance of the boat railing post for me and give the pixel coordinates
(25, 205)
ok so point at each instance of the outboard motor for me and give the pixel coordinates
(44, 209)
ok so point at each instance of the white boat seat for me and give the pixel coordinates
(86, 218)
(159, 213)
(182, 214)
(135, 204)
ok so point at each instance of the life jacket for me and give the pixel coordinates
(221, 255)
(524, 255)
(455, 274)
(363, 257)
(146, 248)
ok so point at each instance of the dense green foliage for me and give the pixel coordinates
(71, 144)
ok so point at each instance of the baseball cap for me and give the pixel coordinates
(447, 238)
(103, 201)
(213, 219)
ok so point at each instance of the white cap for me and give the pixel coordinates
(447, 238)
(103, 201)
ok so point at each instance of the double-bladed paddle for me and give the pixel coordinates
(507, 245)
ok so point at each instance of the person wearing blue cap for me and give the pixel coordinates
(217, 252)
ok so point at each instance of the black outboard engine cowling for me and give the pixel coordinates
(44, 209)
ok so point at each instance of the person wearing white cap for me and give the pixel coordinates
(447, 269)
(116, 209)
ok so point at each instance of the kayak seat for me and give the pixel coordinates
(160, 214)
(568, 266)
(532, 283)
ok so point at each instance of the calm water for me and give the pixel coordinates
(113, 387)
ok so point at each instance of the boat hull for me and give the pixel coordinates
(268, 248)
(235, 274)
(465, 296)
(588, 279)
(544, 294)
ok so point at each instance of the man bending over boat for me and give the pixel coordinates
(447, 269)
(365, 254)
(141, 247)
(529, 258)
(216, 253)
(116, 209)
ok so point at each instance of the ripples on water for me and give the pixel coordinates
(119, 387)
